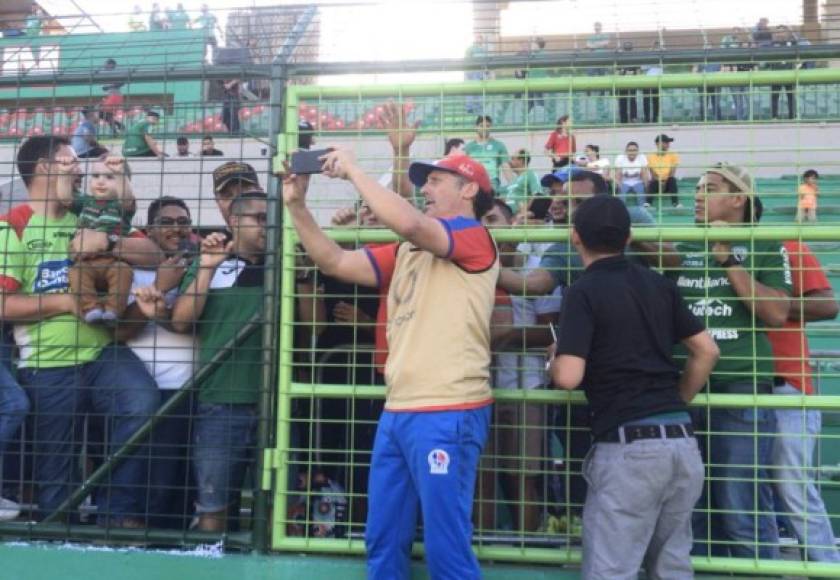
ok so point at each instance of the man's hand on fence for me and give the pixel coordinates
(116, 164)
(66, 166)
(214, 250)
(400, 133)
(349, 314)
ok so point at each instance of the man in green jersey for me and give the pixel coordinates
(221, 293)
(739, 289)
(490, 152)
(139, 141)
(67, 367)
(525, 185)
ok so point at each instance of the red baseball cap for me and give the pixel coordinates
(462, 165)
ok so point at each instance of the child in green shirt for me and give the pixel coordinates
(108, 208)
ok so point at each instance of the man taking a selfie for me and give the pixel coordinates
(441, 286)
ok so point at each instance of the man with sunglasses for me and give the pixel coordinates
(221, 293)
(168, 356)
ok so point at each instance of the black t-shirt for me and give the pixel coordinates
(212, 153)
(624, 320)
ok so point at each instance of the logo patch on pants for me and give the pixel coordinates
(438, 462)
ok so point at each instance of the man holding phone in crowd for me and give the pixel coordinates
(617, 327)
(441, 285)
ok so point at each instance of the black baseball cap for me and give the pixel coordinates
(663, 137)
(603, 223)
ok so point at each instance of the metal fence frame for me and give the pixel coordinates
(289, 390)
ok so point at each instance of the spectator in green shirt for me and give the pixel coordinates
(525, 185)
(33, 22)
(739, 289)
(208, 22)
(598, 42)
(139, 141)
(490, 152)
(221, 293)
(178, 18)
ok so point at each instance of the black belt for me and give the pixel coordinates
(654, 431)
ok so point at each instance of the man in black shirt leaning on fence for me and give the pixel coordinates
(617, 328)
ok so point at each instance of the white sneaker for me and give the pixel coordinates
(9, 510)
(678, 206)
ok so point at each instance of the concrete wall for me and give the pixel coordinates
(769, 150)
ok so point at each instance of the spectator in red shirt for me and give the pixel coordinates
(561, 145)
(798, 429)
(111, 103)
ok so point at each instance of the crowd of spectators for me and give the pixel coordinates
(710, 98)
(147, 308)
(109, 321)
(755, 302)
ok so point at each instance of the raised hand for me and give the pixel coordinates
(115, 163)
(214, 250)
(400, 133)
(294, 187)
(65, 165)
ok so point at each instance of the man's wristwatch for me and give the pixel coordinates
(729, 262)
(112, 242)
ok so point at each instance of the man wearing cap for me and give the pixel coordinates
(138, 139)
(663, 169)
(230, 180)
(617, 327)
(441, 285)
(740, 289)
